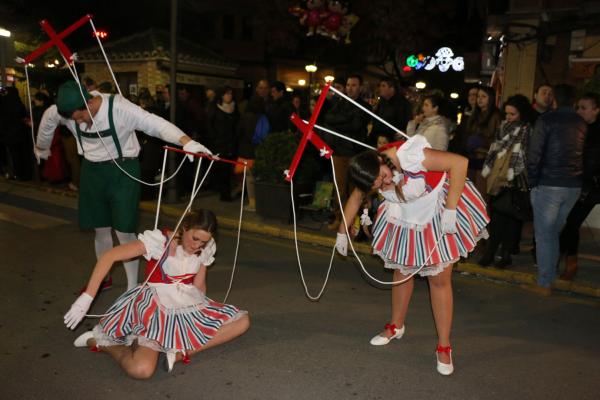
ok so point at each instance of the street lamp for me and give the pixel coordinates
(454, 95)
(420, 85)
(328, 78)
(310, 68)
(301, 82)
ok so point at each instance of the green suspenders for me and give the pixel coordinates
(111, 131)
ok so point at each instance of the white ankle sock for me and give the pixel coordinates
(103, 241)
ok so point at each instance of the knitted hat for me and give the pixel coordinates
(69, 98)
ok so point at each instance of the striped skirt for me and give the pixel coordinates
(139, 314)
(406, 248)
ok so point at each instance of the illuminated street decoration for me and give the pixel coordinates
(443, 59)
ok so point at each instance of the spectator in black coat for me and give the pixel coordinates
(392, 107)
(347, 119)
(15, 135)
(555, 172)
(588, 107)
(222, 120)
(279, 109)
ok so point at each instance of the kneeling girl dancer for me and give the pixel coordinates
(171, 313)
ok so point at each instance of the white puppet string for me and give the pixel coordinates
(105, 57)
(195, 192)
(315, 298)
(237, 245)
(371, 113)
(342, 136)
(22, 61)
(106, 147)
(31, 115)
(318, 296)
(354, 251)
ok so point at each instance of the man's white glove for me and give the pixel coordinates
(341, 244)
(154, 242)
(449, 221)
(194, 147)
(78, 310)
(41, 153)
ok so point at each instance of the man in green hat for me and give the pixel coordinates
(104, 126)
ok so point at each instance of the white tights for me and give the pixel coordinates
(103, 242)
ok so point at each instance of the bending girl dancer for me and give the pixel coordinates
(430, 218)
(171, 314)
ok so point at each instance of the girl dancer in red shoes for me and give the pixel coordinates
(171, 313)
(428, 220)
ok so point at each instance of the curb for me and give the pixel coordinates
(582, 288)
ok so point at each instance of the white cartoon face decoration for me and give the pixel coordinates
(444, 58)
(429, 63)
(458, 64)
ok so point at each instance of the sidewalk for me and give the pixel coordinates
(523, 270)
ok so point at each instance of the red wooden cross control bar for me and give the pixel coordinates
(56, 40)
(309, 135)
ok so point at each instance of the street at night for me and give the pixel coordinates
(507, 343)
(452, 146)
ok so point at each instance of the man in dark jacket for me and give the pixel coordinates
(555, 172)
(393, 108)
(347, 119)
(279, 109)
(588, 107)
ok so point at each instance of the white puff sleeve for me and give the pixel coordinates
(206, 258)
(154, 242)
(411, 153)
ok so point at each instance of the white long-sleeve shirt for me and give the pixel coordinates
(127, 118)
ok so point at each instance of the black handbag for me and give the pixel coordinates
(513, 202)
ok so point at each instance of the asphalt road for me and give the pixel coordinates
(508, 344)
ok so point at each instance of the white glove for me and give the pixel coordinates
(154, 242)
(41, 153)
(194, 147)
(78, 310)
(341, 244)
(449, 221)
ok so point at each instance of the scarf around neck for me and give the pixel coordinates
(511, 140)
(227, 108)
